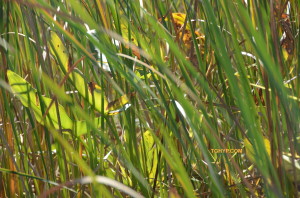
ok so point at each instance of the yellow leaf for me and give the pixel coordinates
(133, 40)
(179, 20)
(148, 147)
(250, 150)
(59, 50)
(119, 105)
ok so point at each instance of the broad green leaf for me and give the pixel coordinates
(80, 127)
(93, 96)
(60, 52)
(29, 98)
(148, 147)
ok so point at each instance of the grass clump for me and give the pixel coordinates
(149, 98)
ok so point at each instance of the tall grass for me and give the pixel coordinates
(237, 88)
